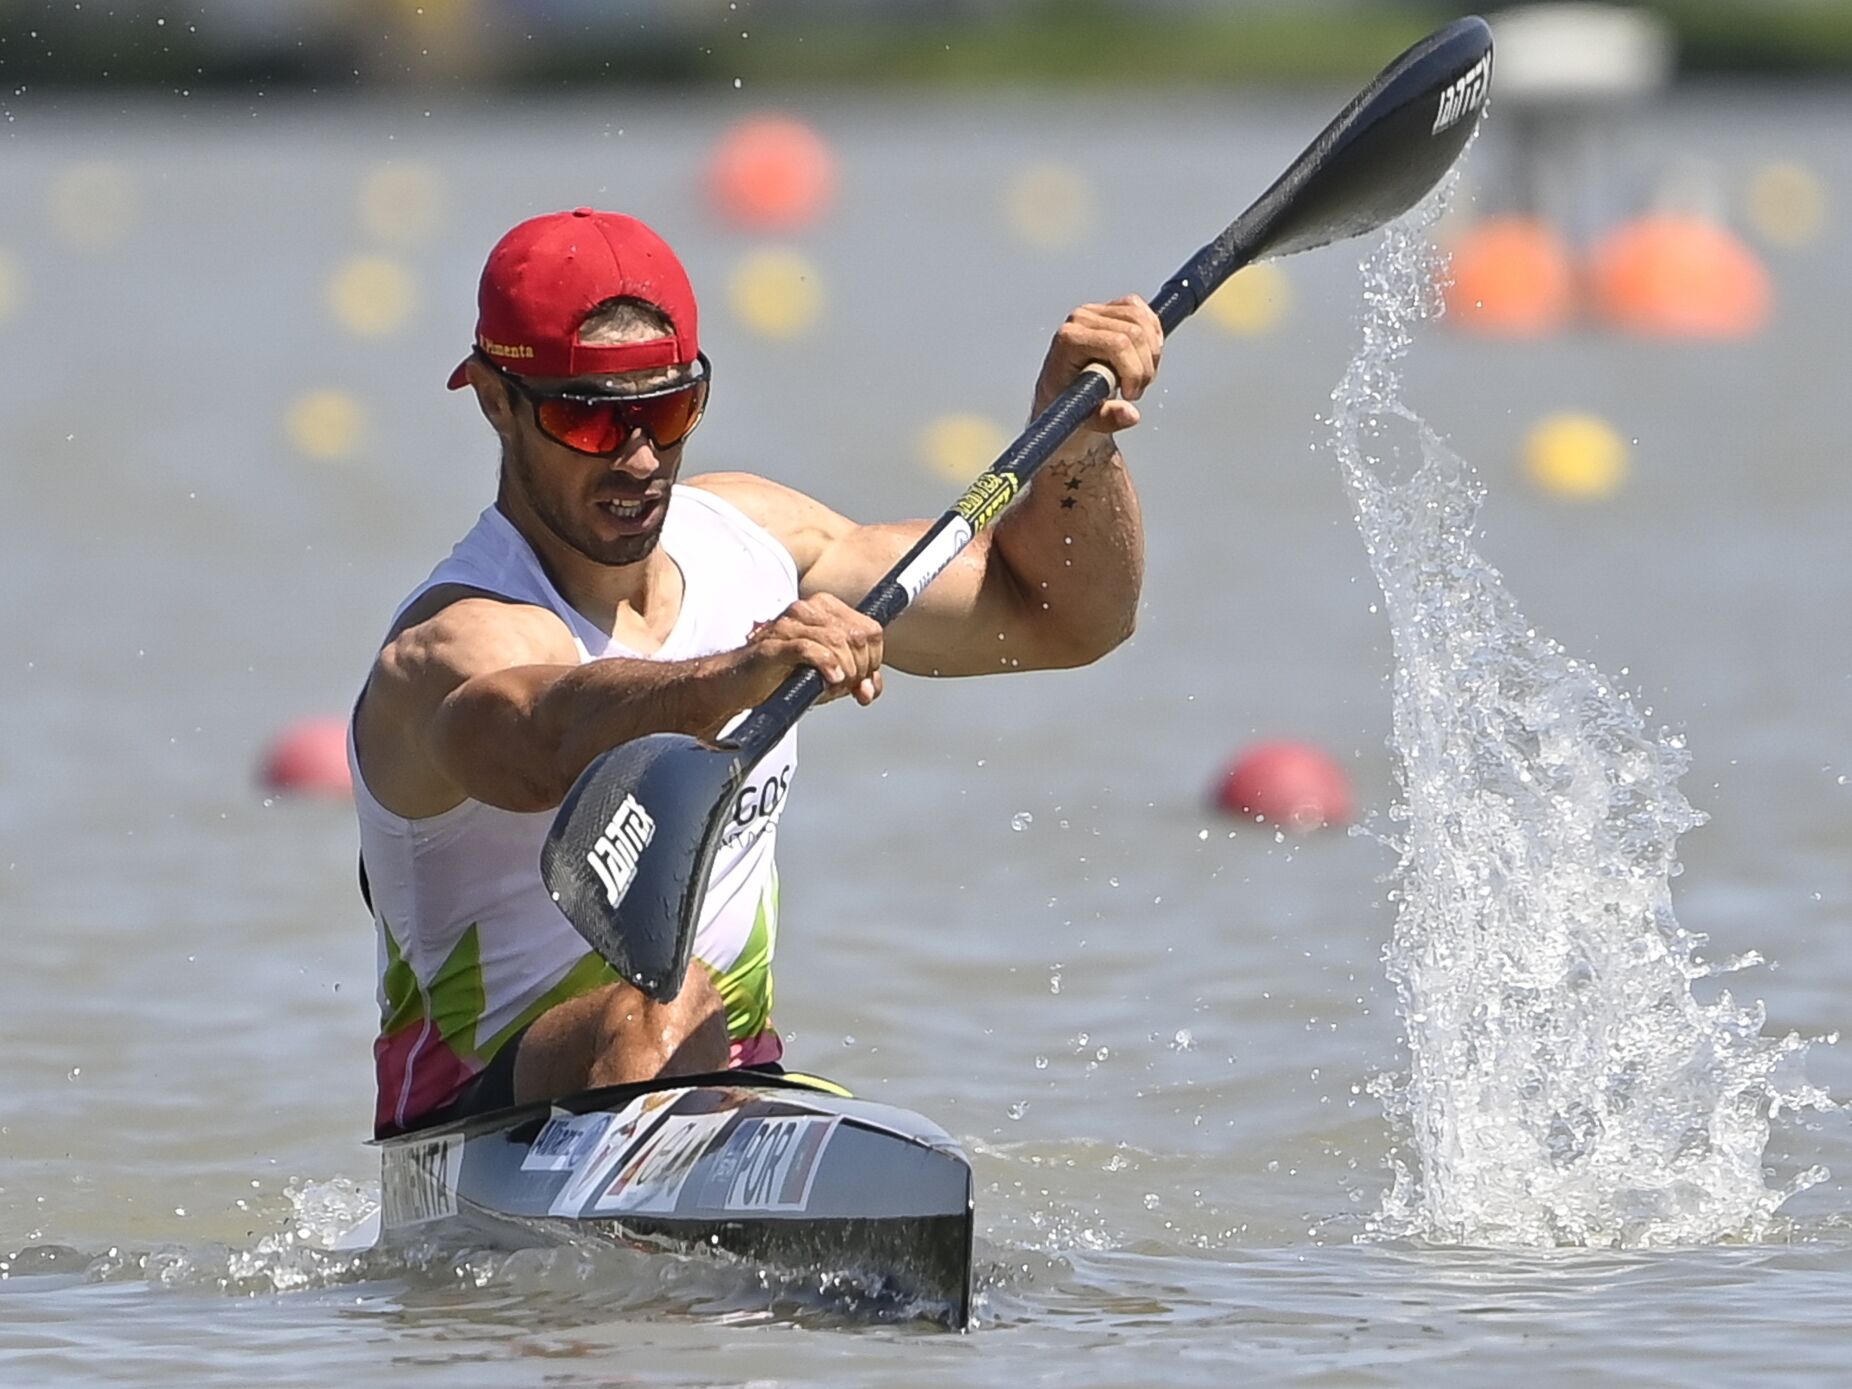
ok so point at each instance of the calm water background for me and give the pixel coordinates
(1152, 1039)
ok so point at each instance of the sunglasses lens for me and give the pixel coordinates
(581, 425)
(602, 426)
(668, 419)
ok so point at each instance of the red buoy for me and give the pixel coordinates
(1293, 785)
(771, 173)
(309, 759)
(1676, 276)
(1512, 276)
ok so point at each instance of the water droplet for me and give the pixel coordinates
(1021, 821)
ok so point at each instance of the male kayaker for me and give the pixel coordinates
(599, 599)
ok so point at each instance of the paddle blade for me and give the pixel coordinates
(1380, 156)
(1387, 150)
(628, 856)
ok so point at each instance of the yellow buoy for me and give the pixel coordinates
(9, 285)
(1251, 302)
(776, 293)
(94, 205)
(370, 295)
(959, 447)
(1049, 206)
(325, 424)
(1576, 456)
(402, 204)
(1787, 205)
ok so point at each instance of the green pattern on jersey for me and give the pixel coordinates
(404, 999)
(746, 986)
(455, 999)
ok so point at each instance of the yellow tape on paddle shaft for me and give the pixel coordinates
(985, 499)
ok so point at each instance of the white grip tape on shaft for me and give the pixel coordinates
(931, 562)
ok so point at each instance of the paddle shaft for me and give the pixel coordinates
(633, 843)
(989, 496)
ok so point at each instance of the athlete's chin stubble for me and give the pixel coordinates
(553, 514)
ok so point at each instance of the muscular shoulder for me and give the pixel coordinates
(453, 633)
(449, 636)
(802, 524)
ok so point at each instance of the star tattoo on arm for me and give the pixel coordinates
(1072, 471)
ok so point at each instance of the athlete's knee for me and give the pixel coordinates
(633, 1022)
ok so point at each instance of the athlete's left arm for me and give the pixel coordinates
(1055, 583)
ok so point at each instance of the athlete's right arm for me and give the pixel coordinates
(474, 697)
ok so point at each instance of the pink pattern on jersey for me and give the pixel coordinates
(408, 1091)
(757, 1050)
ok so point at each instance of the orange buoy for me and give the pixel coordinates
(771, 173)
(1677, 275)
(1513, 276)
(1294, 785)
(310, 759)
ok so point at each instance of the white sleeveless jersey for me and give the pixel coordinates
(471, 946)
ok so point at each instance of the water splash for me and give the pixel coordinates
(322, 1239)
(1565, 1085)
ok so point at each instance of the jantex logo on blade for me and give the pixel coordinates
(614, 857)
(1464, 95)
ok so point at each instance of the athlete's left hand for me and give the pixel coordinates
(1124, 335)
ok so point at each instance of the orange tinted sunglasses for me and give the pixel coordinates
(600, 424)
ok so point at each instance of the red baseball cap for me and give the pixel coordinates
(547, 274)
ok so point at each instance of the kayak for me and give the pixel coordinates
(788, 1172)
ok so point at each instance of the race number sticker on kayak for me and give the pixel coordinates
(651, 1178)
(565, 1140)
(769, 1164)
(418, 1181)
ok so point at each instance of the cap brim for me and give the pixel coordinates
(460, 377)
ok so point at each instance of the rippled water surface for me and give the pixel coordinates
(1165, 1038)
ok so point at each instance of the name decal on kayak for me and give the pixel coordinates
(614, 857)
(1464, 96)
(418, 1181)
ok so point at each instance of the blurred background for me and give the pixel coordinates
(238, 258)
(353, 44)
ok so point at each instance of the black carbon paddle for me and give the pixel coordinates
(628, 856)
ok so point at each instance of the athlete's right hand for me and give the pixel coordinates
(825, 632)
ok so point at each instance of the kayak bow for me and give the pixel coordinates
(786, 1172)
